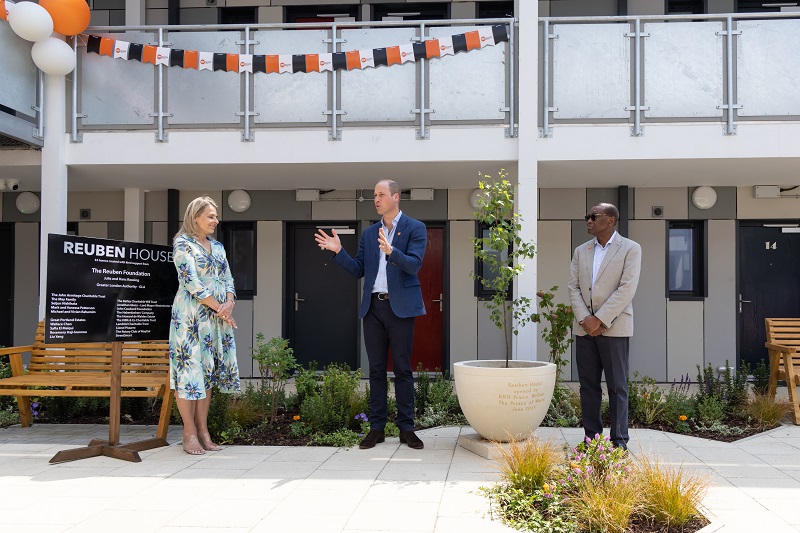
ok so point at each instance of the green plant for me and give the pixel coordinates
(710, 410)
(436, 401)
(595, 458)
(502, 253)
(670, 496)
(276, 363)
(729, 389)
(8, 417)
(679, 407)
(246, 409)
(761, 378)
(605, 506)
(528, 464)
(306, 382)
(336, 403)
(218, 413)
(649, 400)
(564, 408)
(720, 429)
(538, 511)
(767, 410)
(558, 334)
(341, 438)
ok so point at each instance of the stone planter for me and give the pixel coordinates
(503, 404)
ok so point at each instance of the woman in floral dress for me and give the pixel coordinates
(201, 345)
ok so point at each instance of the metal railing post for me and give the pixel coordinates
(247, 134)
(38, 106)
(637, 107)
(75, 135)
(512, 124)
(546, 131)
(422, 133)
(334, 134)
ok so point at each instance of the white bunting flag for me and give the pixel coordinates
(121, 50)
(205, 61)
(285, 64)
(245, 62)
(325, 62)
(162, 55)
(406, 53)
(486, 35)
(367, 58)
(445, 46)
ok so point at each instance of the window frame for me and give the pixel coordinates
(699, 258)
(481, 292)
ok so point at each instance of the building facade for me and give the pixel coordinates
(683, 113)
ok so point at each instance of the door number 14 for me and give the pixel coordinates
(771, 245)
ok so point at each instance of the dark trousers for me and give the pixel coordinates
(383, 330)
(595, 355)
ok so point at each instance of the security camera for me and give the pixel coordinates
(13, 184)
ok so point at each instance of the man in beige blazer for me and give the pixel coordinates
(603, 279)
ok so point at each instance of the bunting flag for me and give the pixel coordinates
(305, 63)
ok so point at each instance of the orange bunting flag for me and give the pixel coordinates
(148, 54)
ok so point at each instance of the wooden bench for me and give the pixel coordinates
(84, 369)
(783, 345)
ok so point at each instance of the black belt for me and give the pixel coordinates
(381, 295)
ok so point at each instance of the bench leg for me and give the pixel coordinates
(791, 380)
(25, 416)
(166, 414)
(774, 364)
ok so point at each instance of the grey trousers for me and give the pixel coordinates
(595, 355)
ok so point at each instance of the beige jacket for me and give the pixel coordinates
(610, 298)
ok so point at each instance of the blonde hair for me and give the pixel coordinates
(193, 210)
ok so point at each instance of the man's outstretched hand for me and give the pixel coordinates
(328, 242)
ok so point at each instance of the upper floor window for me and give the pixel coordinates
(686, 260)
(762, 6)
(411, 11)
(495, 10)
(685, 7)
(323, 13)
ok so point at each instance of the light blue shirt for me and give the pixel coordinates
(599, 255)
(381, 284)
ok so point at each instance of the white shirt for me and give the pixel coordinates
(381, 284)
(599, 255)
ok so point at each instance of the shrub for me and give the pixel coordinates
(760, 378)
(218, 420)
(710, 410)
(341, 438)
(538, 511)
(246, 410)
(306, 382)
(768, 411)
(8, 417)
(276, 363)
(605, 506)
(528, 464)
(435, 401)
(564, 408)
(336, 403)
(670, 496)
(729, 389)
(679, 407)
(648, 404)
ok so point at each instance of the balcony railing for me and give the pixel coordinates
(467, 88)
(638, 70)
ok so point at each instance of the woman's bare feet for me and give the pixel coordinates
(192, 446)
(208, 444)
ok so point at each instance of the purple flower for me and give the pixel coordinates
(35, 408)
(602, 457)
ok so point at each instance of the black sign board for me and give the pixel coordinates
(100, 290)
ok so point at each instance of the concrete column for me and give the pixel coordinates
(527, 197)
(135, 12)
(134, 215)
(54, 174)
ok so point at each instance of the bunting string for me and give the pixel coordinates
(293, 63)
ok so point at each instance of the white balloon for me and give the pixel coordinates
(53, 56)
(30, 21)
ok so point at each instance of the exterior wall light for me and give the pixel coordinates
(27, 203)
(239, 201)
(704, 197)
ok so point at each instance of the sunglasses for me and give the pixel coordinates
(594, 216)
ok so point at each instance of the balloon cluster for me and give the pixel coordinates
(37, 22)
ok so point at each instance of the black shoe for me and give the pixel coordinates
(373, 437)
(410, 439)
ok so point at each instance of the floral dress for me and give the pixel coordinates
(202, 351)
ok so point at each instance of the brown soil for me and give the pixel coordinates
(747, 431)
(691, 526)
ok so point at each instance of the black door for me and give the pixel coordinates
(7, 286)
(322, 299)
(769, 283)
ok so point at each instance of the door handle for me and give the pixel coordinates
(440, 302)
(297, 301)
(742, 302)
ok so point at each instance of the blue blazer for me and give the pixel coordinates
(408, 249)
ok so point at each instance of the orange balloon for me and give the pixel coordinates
(70, 17)
(3, 10)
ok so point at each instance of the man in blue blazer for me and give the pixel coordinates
(389, 256)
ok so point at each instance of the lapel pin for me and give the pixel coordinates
(398, 233)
